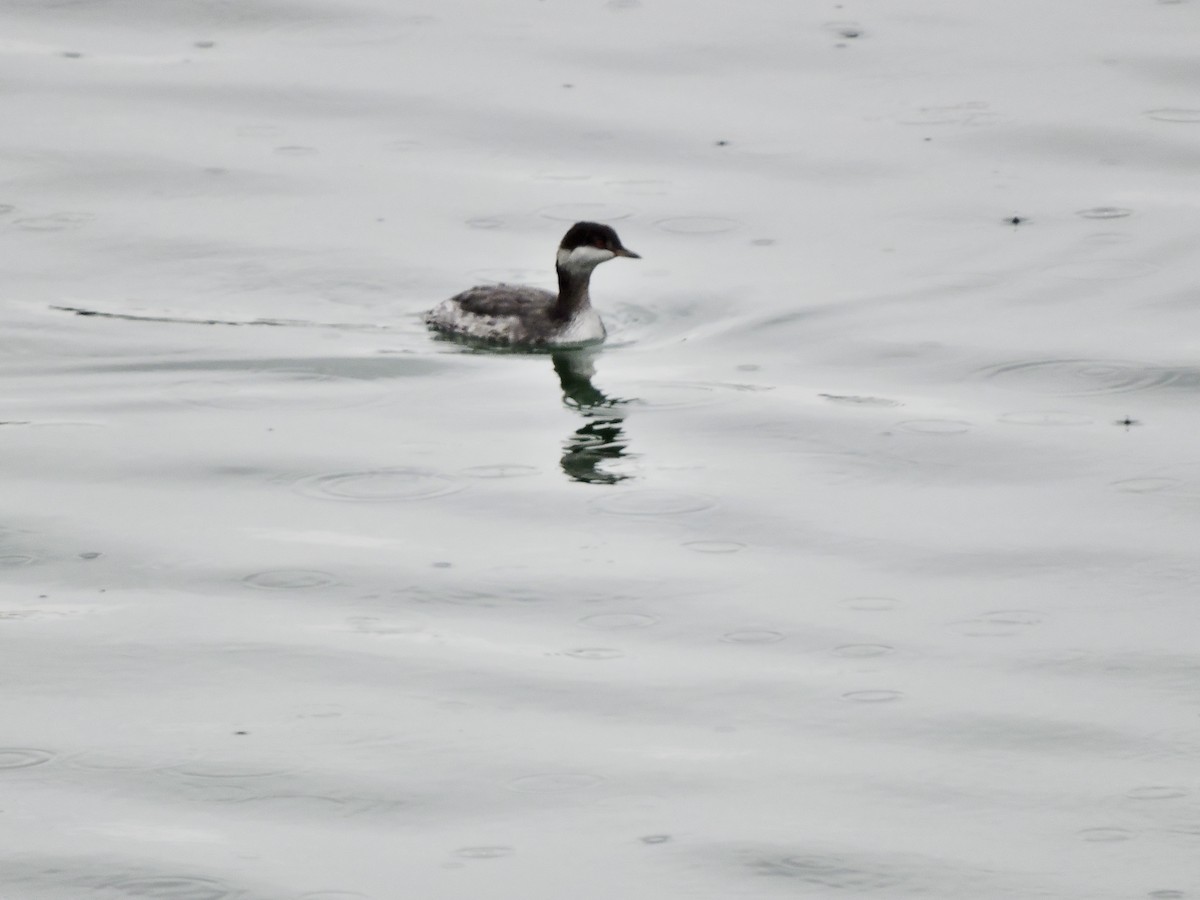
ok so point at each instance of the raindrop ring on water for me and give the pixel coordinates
(1179, 115)
(753, 636)
(174, 887)
(654, 503)
(873, 696)
(616, 621)
(1080, 377)
(715, 547)
(380, 485)
(596, 653)
(1105, 212)
(23, 757)
(288, 579)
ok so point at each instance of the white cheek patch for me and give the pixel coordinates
(585, 257)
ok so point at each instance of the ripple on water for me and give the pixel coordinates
(173, 887)
(617, 621)
(863, 651)
(376, 626)
(1177, 114)
(698, 225)
(295, 150)
(108, 762)
(492, 852)
(859, 400)
(380, 485)
(753, 636)
(484, 598)
(999, 623)
(289, 579)
(278, 389)
(827, 872)
(24, 757)
(871, 604)
(1156, 792)
(16, 560)
(873, 696)
(715, 546)
(231, 768)
(1150, 485)
(1080, 377)
(585, 212)
(630, 315)
(596, 653)
(972, 112)
(64, 221)
(652, 502)
(1105, 835)
(554, 782)
(674, 394)
(333, 895)
(1105, 212)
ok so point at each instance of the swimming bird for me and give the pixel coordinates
(518, 315)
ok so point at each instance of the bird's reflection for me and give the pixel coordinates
(601, 438)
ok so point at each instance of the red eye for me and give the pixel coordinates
(598, 242)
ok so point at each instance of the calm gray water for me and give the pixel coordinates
(860, 561)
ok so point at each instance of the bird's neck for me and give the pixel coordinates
(572, 292)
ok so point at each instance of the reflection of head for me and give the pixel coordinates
(601, 438)
(596, 443)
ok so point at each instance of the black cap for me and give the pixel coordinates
(593, 234)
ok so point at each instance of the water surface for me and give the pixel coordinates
(859, 561)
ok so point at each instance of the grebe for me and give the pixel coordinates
(528, 316)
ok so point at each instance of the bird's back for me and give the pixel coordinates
(509, 313)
